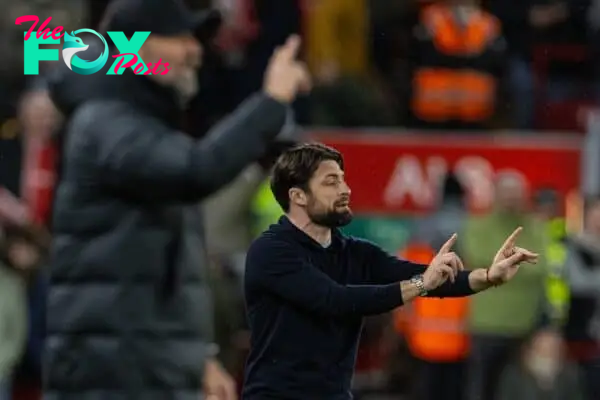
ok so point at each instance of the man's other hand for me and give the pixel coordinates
(508, 260)
(218, 384)
(285, 75)
(445, 265)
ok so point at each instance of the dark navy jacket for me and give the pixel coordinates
(306, 305)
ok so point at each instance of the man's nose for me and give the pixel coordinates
(346, 189)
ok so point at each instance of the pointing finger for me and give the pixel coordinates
(510, 241)
(446, 247)
(289, 51)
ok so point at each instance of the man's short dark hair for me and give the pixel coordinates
(296, 166)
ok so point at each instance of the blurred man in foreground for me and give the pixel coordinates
(129, 315)
(308, 286)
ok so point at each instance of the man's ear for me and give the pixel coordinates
(298, 197)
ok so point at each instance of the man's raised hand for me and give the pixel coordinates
(508, 260)
(445, 265)
(285, 75)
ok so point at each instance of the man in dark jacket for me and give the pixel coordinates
(308, 286)
(128, 310)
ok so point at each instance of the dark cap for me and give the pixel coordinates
(161, 17)
(546, 196)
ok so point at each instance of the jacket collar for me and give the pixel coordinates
(338, 240)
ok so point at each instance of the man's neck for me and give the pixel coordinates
(320, 234)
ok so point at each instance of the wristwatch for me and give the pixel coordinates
(417, 280)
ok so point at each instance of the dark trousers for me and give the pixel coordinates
(489, 356)
(441, 381)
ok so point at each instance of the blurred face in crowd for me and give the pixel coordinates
(592, 218)
(544, 357)
(22, 255)
(327, 200)
(510, 193)
(547, 210)
(184, 55)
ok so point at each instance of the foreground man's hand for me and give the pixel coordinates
(445, 265)
(285, 75)
(508, 260)
(218, 384)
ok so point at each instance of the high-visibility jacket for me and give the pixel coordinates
(264, 208)
(557, 287)
(462, 92)
(435, 328)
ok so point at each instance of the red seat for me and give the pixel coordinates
(557, 115)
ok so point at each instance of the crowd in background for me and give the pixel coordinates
(447, 65)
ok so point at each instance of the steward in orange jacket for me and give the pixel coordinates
(435, 328)
(457, 57)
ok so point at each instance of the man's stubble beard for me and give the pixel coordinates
(330, 219)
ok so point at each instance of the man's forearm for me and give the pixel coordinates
(465, 284)
(409, 291)
(478, 280)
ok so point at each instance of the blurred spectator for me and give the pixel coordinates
(39, 120)
(13, 313)
(458, 59)
(345, 93)
(435, 330)
(582, 329)
(228, 217)
(336, 39)
(22, 250)
(502, 317)
(541, 372)
(549, 210)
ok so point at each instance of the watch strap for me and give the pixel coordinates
(420, 284)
